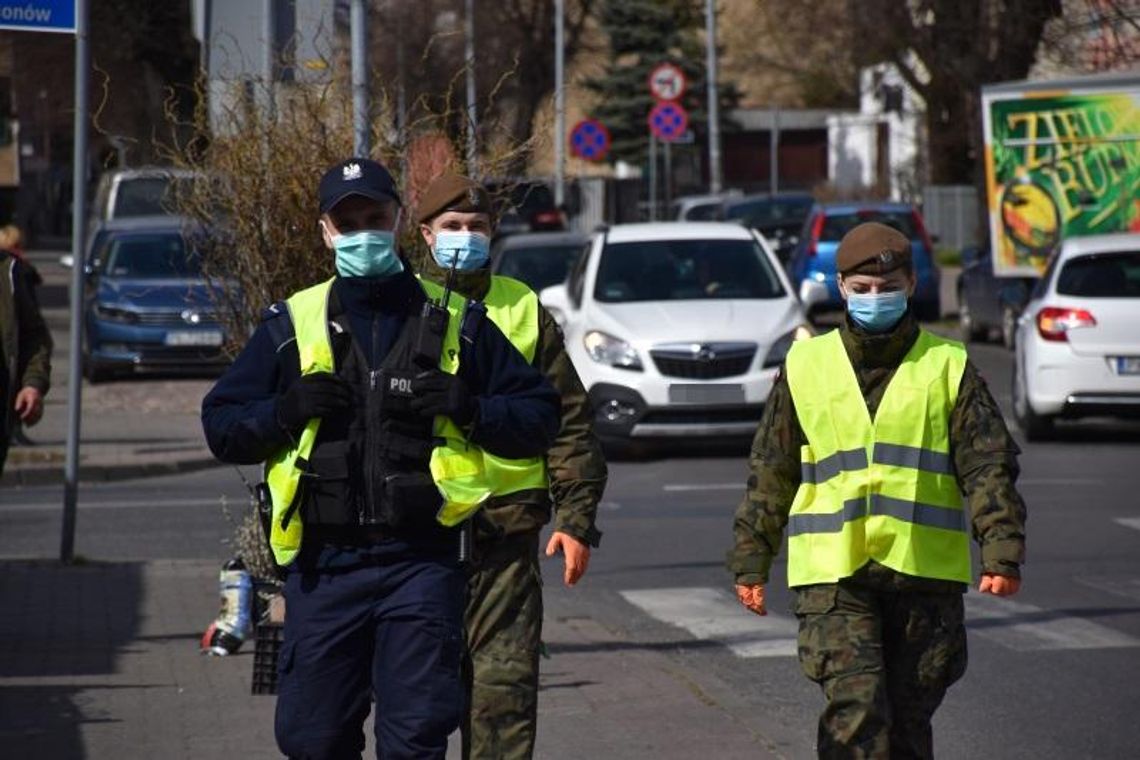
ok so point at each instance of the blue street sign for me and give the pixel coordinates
(590, 140)
(668, 121)
(38, 15)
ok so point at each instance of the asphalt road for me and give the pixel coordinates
(1053, 672)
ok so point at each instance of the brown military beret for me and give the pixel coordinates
(452, 192)
(872, 248)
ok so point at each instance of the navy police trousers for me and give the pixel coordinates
(380, 625)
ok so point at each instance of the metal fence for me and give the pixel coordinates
(951, 213)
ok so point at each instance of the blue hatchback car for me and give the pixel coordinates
(147, 306)
(814, 256)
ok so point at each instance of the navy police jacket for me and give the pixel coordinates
(519, 411)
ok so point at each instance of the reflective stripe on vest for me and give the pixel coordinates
(883, 489)
(456, 466)
(513, 307)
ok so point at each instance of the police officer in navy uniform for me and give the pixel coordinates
(367, 448)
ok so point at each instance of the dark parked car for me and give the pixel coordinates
(147, 306)
(539, 259)
(988, 304)
(525, 206)
(779, 218)
(814, 257)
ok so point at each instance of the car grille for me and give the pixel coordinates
(175, 318)
(708, 416)
(704, 361)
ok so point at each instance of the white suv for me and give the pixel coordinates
(677, 329)
(1078, 340)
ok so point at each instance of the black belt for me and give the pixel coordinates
(356, 535)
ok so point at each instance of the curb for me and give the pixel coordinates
(95, 473)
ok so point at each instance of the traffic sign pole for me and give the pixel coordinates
(559, 106)
(652, 177)
(78, 239)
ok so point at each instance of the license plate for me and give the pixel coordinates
(694, 393)
(194, 338)
(1128, 365)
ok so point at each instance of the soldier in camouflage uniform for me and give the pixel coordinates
(883, 644)
(504, 611)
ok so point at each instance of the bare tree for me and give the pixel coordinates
(947, 49)
(418, 50)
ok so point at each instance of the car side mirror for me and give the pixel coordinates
(556, 299)
(813, 293)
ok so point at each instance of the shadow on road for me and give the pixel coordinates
(66, 623)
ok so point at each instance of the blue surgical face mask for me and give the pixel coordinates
(368, 253)
(877, 312)
(472, 249)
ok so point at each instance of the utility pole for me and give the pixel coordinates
(715, 176)
(774, 152)
(559, 103)
(268, 31)
(361, 126)
(472, 113)
(78, 273)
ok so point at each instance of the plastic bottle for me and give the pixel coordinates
(226, 634)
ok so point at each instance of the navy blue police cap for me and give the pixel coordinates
(356, 176)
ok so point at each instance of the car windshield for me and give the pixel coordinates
(704, 212)
(781, 212)
(539, 266)
(1102, 275)
(151, 255)
(676, 270)
(145, 196)
(835, 226)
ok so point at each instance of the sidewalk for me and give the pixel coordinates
(100, 661)
(131, 428)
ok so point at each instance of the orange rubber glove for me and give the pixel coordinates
(999, 585)
(752, 597)
(577, 555)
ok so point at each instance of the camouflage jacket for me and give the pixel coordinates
(984, 454)
(25, 341)
(575, 463)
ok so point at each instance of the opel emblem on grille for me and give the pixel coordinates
(704, 353)
(191, 317)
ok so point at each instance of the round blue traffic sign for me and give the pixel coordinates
(668, 121)
(590, 140)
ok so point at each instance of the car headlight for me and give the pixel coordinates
(111, 314)
(779, 350)
(606, 349)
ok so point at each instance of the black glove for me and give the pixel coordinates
(312, 396)
(437, 392)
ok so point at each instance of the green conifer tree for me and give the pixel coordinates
(643, 34)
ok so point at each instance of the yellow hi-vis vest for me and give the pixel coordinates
(883, 489)
(456, 466)
(513, 307)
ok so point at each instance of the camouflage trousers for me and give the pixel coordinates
(884, 660)
(504, 632)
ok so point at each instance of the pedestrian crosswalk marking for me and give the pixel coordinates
(1023, 627)
(1128, 588)
(712, 614)
(1129, 522)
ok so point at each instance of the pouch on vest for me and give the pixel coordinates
(410, 499)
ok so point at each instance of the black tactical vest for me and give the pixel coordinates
(369, 464)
